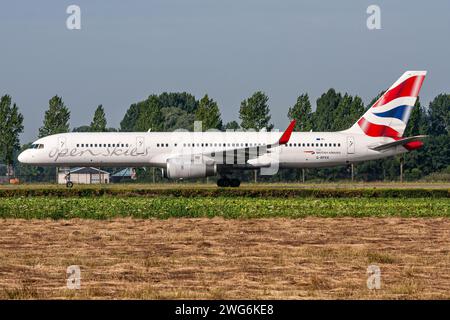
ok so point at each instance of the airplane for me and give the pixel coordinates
(182, 154)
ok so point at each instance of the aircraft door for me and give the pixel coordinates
(62, 143)
(140, 145)
(350, 145)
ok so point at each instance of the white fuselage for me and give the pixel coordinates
(153, 149)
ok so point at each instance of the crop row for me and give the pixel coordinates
(228, 207)
(231, 192)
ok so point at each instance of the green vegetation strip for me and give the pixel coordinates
(231, 192)
(235, 207)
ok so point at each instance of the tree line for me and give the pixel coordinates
(170, 111)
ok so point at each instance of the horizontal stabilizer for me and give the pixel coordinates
(401, 142)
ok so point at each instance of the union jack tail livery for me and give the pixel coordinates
(389, 115)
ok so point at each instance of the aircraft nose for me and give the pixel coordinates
(23, 158)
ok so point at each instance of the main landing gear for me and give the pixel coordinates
(69, 184)
(226, 182)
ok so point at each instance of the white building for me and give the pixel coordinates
(84, 175)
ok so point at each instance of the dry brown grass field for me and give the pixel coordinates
(217, 258)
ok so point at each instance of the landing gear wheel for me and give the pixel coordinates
(223, 182)
(235, 183)
(69, 184)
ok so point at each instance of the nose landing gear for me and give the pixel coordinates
(69, 184)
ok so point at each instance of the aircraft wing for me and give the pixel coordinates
(400, 142)
(243, 153)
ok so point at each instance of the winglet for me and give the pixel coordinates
(287, 134)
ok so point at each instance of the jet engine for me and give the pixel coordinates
(186, 168)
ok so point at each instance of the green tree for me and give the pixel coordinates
(417, 121)
(83, 128)
(209, 114)
(232, 125)
(129, 121)
(302, 112)
(150, 116)
(98, 124)
(348, 111)
(177, 118)
(183, 101)
(11, 125)
(255, 113)
(439, 113)
(325, 111)
(56, 118)
(86, 128)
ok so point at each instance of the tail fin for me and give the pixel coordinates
(389, 115)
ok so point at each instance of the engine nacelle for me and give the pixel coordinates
(177, 169)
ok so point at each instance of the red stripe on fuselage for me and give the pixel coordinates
(408, 88)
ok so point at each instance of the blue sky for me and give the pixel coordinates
(127, 50)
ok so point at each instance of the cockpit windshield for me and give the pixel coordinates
(37, 146)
